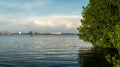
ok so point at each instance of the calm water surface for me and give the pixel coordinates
(40, 50)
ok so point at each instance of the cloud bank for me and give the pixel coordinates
(41, 23)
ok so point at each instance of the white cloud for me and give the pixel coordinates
(56, 17)
(45, 23)
(53, 23)
(68, 22)
(2, 18)
(69, 25)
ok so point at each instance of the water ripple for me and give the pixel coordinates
(40, 51)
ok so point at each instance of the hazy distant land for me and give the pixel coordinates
(36, 33)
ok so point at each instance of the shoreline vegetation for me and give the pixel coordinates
(101, 27)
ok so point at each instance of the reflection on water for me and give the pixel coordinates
(93, 58)
(40, 51)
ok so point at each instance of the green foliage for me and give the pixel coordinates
(114, 61)
(101, 24)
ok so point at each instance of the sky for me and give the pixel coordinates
(41, 15)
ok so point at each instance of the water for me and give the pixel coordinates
(40, 50)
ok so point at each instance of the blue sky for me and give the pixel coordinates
(41, 15)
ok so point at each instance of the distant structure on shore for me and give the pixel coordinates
(31, 33)
(19, 33)
(56, 33)
(4, 32)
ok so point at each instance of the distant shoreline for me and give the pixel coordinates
(40, 34)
